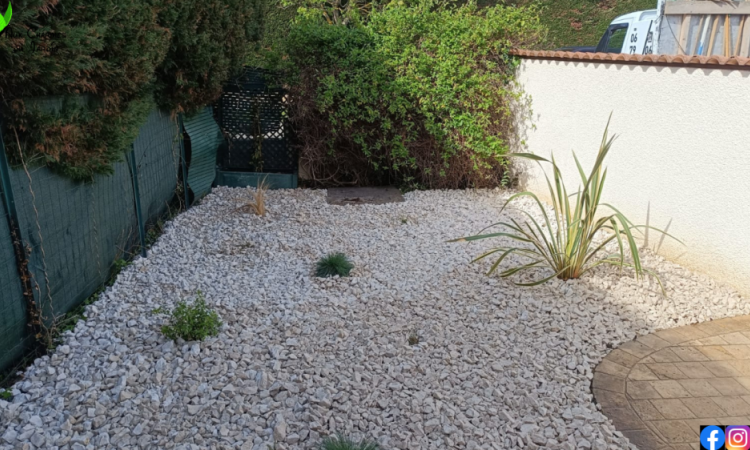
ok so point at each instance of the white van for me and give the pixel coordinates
(631, 33)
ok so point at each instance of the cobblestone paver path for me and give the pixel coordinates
(659, 388)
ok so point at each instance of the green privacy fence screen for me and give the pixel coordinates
(204, 137)
(13, 331)
(73, 233)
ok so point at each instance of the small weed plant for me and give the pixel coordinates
(193, 322)
(574, 238)
(339, 442)
(258, 202)
(334, 264)
(6, 395)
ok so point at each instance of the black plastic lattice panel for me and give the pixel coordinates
(253, 118)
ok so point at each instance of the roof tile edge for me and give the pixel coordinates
(734, 62)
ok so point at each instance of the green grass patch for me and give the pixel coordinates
(577, 22)
(344, 443)
(332, 265)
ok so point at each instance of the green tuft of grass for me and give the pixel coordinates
(6, 395)
(193, 322)
(340, 442)
(332, 265)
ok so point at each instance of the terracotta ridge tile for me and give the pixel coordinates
(736, 62)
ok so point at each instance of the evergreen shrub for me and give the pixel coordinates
(121, 55)
(421, 95)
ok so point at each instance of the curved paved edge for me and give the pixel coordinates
(658, 389)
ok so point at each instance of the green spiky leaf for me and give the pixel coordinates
(568, 242)
(332, 265)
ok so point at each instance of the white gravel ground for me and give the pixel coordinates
(298, 358)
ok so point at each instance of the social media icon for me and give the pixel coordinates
(737, 437)
(712, 437)
(5, 18)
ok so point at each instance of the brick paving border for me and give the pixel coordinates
(659, 388)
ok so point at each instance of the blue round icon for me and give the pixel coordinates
(712, 438)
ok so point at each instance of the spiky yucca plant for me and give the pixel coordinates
(339, 442)
(569, 242)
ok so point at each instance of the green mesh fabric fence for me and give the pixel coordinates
(204, 139)
(157, 156)
(14, 335)
(74, 232)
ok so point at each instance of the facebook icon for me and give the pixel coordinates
(712, 438)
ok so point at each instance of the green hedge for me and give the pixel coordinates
(123, 53)
(210, 40)
(418, 95)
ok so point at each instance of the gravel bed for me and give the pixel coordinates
(298, 358)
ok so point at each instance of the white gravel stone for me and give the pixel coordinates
(298, 358)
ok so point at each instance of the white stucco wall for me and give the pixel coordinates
(683, 150)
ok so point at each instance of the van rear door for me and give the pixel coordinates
(640, 38)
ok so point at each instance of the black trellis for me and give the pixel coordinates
(253, 117)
